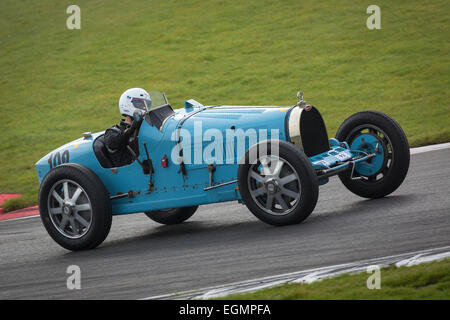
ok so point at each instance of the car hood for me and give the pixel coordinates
(239, 117)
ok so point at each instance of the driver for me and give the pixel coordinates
(133, 104)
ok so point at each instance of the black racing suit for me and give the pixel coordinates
(117, 138)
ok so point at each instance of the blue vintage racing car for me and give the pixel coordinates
(272, 159)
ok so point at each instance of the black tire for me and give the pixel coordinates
(171, 216)
(306, 184)
(100, 206)
(393, 171)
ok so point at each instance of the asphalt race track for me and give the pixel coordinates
(224, 243)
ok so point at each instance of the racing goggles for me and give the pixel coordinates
(140, 103)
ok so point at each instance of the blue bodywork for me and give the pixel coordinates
(171, 187)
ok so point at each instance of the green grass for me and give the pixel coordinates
(425, 281)
(57, 83)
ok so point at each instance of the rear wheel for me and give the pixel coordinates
(279, 188)
(375, 132)
(75, 207)
(171, 216)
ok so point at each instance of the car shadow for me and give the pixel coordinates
(202, 233)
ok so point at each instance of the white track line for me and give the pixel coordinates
(429, 148)
(311, 275)
(418, 150)
(21, 218)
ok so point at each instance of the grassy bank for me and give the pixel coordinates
(57, 83)
(425, 281)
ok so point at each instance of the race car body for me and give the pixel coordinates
(270, 158)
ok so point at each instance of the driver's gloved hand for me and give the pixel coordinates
(138, 116)
(137, 120)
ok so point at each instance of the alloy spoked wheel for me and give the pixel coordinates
(70, 209)
(280, 186)
(274, 185)
(74, 206)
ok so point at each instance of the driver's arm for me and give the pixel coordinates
(116, 139)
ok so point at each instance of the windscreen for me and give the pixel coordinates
(158, 99)
(160, 109)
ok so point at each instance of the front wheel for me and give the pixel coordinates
(375, 132)
(171, 216)
(279, 187)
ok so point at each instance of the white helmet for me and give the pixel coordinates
(134, 100)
